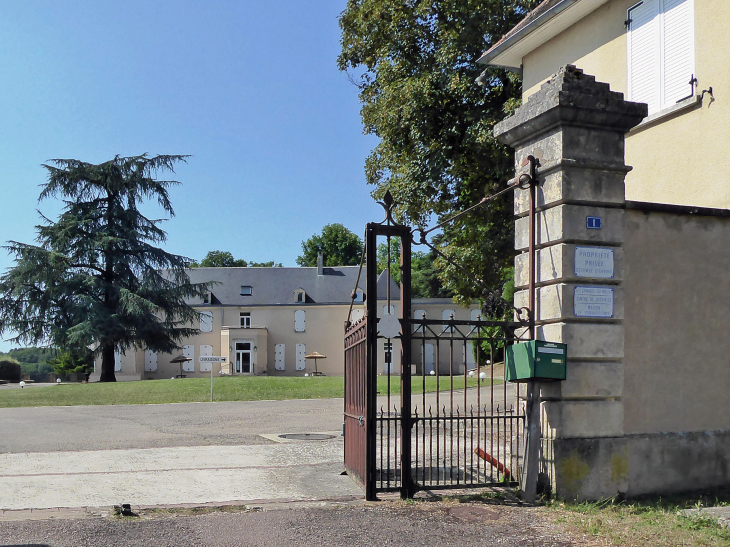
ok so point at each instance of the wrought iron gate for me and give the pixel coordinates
(444, 417)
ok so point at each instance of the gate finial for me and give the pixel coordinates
(387, 204)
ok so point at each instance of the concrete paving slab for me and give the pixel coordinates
(175, 475)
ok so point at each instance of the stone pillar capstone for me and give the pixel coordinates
(575, 128)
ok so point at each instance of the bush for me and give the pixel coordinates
(10, 370)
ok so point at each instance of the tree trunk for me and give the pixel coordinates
(107, 363)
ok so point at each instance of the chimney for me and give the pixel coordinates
(320, 263)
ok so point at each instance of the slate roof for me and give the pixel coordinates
(276, 286)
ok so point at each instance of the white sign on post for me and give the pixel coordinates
(212, 359)
(594, 262)
(593, 302)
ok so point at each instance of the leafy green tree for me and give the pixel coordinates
(96, 277)
(425, 282)
(224, 259)
(414, 63)
(269, 264)
(78, 360)
(340, 247)
(221, 259)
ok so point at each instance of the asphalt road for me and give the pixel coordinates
(382, 524)
(77, 428)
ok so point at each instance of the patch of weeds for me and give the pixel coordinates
(201, 510)
(660, 522)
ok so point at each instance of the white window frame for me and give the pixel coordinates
(300, 296)
(246, 290)
(659, 58)
(359, 293)
(242, 316)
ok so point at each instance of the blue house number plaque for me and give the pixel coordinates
(593, 223)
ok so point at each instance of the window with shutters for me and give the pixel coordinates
(448, 315)
(419, 314)
(150, 361)
(189, 352)
(280, 356)
(206, 322)
(301, 362)
(660, 52)
(206, 350)
(299, 321)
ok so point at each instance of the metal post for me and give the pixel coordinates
(532, 431)
(407, 483)
(371, 350)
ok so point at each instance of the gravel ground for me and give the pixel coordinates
(434, 524)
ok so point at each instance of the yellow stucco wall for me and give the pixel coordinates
(676, 159)
(677, 312)
(273, 325)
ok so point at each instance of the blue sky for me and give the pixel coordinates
(249, 88)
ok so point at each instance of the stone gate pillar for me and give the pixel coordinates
(575, 128)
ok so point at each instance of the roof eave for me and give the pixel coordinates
(509, 52)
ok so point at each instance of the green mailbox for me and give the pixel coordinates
(536, 360)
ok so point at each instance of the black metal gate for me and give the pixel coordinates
(444, 417)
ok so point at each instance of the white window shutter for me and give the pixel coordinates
(301, 361)
(419, 314)
(117, 360)
(279, 356)
(206, 322)
(678, 51)
(388, 310)
(357, 314)
(643, 54)
(206, 350)
(189, 351)
(428, 357)
(299, 321)
(446, 315)
(150, 361)
(470, 361)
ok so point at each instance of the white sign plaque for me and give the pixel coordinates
(212, 359)
(594, 262)
(593, 302)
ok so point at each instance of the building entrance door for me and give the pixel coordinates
(243, 358)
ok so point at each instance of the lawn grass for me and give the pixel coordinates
(659, 522)
(193, 390)
(444, 383)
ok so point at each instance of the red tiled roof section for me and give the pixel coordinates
(534, 14)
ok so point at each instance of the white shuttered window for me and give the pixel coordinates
(660, 52)
(189, 351)
(301, 363)
(299, 325)
(206, 350)
(279, 356)
(150, 361)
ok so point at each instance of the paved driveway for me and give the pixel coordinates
(171, 454)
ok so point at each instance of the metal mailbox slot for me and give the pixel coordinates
(536, 360)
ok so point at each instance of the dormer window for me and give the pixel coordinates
(359, 295)
(246, 290)
(206, 298)
(300, 295)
